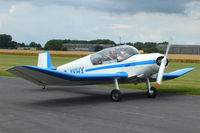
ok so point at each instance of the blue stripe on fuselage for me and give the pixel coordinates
(123, 65)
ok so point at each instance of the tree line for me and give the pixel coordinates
(57, 44)
(7, 42)
(147, 47)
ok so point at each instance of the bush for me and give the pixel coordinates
(98, 48)
(64, 49)
(53, 45)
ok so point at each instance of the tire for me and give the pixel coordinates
(43, 87)
(152, 95)
(115, 95)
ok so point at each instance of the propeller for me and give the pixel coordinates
(162, 65)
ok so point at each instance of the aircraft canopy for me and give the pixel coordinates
(113, 54)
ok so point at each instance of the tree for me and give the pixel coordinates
(53, 45)
(5, 40)
(33, 44)
(163, 43)
(22, 44)
(12, 44)
(102, 41)
(139, 45)
(37, 45)
(64, 49)
(150, 50)
(75, 41)
(67, 41)
(129, 43)
(98, 48)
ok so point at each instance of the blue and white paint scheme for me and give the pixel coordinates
(120, 64)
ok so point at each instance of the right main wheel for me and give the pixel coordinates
(115, 95)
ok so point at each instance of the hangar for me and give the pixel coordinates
(180, 49)
(84, 47)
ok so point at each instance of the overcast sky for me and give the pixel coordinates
(132, 20)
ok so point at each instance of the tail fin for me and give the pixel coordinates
(44, 60)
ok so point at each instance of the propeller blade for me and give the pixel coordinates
(162, 66)
(161, 71)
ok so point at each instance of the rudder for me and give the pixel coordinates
(44, 60)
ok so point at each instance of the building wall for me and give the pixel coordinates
(180, 49)
(27, 48)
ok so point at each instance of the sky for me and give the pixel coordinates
(130, 20)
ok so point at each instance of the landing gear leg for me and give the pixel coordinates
(151, 91)
(116, 94)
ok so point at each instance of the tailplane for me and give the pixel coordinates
(44, 60)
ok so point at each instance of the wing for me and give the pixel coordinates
(43, 76)
(174, 74)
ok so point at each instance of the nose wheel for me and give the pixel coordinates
(152, 92)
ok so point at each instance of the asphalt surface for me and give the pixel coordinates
(26, 108)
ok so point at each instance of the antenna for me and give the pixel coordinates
(120, 39)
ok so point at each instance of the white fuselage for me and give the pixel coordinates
(140, 65)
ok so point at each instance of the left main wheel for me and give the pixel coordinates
(116, 95)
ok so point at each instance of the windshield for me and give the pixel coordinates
(113, 54)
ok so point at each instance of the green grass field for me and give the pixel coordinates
(187, 84)
(8, 61)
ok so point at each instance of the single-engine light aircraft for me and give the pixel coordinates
(120, 64)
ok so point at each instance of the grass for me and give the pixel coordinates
(53, 53)
(187, 84)
(8, 61)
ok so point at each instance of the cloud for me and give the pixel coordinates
(159, 27)
(1, 20)
(41, 21)
(193, 9)
(12, 9)
(119, 6)
(120, 26)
